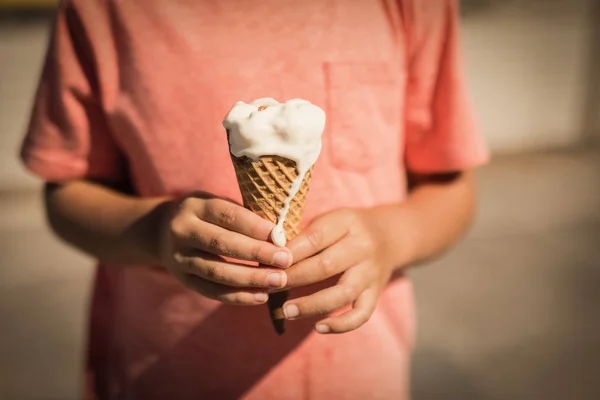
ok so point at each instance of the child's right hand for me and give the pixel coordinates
(198, 232)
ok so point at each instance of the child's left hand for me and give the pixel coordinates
(347, 242)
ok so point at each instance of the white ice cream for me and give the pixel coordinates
(266, 127)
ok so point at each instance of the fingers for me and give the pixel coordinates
(218, 241)
(322, 302)
(235, 218)
(351, 289)
(329, 262)
(360, 313)
(226, 229)
(321, 234)
(222, 293)
(217, 270)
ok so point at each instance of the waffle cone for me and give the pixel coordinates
(265, 184)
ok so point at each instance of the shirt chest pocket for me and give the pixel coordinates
(364, 110)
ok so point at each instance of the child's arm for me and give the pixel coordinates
(189, 237)
(109, 225)
(365, 246)
(438, 211)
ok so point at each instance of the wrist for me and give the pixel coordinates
(146, 231)
(397, 230)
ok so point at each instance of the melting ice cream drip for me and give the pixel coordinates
(290, 130)
(278, 233)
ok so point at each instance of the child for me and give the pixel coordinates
(126, 131)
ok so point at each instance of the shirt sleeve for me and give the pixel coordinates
(68, 135)
(441, 131)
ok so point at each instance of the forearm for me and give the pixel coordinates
(109, 225)
(435, 215)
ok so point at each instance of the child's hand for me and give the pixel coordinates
(345, 242)
(198, 232)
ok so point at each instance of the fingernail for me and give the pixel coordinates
(275, 280)
(291, 311)
(281, 259)
(260, 297)
(321, 328)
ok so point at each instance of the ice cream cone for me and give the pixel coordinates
(265, 185)
(274, 147)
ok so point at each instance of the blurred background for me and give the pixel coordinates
(511, 313)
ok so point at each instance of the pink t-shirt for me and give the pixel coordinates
(135, 91)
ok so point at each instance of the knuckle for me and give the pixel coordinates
(212, 272)
(326, 264)
(257, 254)
(186, 203)
(218, 244)
(255, 279)
(350, 292)
(228, 215)
(194, 237)
(219, 275)
(322, 310)
(208, 209)
(315, 237)
(177, 227)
